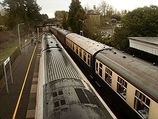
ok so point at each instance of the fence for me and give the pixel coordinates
(13, 57)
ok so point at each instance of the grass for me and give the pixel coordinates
(8, 44)
(4, 53)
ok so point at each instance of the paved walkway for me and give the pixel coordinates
(20, 102)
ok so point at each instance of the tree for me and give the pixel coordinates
(76, 13)
(139, 22)
(105, 9)
(142, 22)
(117, 17)
(32, 13)
(65, 20)
(18, 11)
(44, 17)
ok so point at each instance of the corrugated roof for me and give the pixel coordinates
(64, 87)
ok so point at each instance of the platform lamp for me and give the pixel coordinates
(19, 34)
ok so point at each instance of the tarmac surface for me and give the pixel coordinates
(20, 101)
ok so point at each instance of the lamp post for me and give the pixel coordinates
(82, 21)
(19, 34)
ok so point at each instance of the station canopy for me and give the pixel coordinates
(146, 44)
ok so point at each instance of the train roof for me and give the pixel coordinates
(89, 45)
(63, 31)
(143, 75)
(66, 93)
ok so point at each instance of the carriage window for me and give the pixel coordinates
(121, 87)
(73, 46)
(141, 104)
(80, 52)
(96, 66)
(69, 43)
(89, 57)
(108, 74)
(100, 69)
(84, 56)
(76, 49)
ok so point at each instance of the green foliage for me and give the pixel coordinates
(32, 13)
(116, 16)
(140, 22)
(44, 17)
(120, 40)
(76, 13)
(65, 21)
(18, 11)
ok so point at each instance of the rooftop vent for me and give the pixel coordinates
(154, 63)
(57, 45)
(114, 52)
(60, 49)
(124, 57)
(48, 50)
(47, 45)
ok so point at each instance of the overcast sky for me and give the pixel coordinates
(50, 6)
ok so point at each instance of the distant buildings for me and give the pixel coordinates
(93, 17)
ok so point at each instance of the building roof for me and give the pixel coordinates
(148, 40)
(146, 44)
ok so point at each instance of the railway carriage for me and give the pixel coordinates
(84, 50)
(60, 34)
(134, 81)
(63, 91)
(129, 81)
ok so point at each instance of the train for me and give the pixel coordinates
(63, 92)
(130, 82)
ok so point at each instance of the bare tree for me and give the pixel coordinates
(105, 9)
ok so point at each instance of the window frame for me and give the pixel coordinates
(122, 87)
(142, 103)
(108, 76)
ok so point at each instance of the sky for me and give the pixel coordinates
(50, 6)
